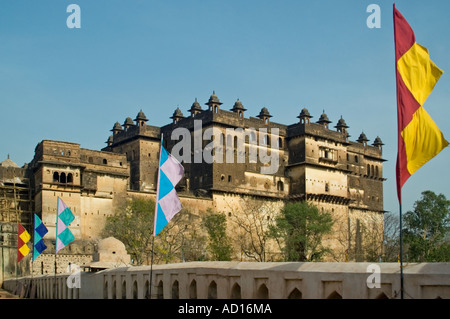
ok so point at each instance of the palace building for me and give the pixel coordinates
(308, 160)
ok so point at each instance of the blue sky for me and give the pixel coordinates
(74, 84)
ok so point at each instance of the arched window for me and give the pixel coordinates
(280, 186)
(147, 289)
(295, 294)
(334, 295)
(105, 291)
(236, 291)
(263, 292)
(264, 140)
(175, 290)
(62, 178)
(135, 290)
(252, 137)
(212, 290)
(280, 143)
(376, 171)
(114, 290)
(368, 170)
(70, 178)
(382, 296)
(193, 290)
(56, 177)
(124, 290)
(160, 291)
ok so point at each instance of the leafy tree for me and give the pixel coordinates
(391, 240)
(180, 240)
(219, 244)
(132, 224)
(301, 226)
(426, 229)
(253, 233)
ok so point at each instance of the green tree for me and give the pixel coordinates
(426, 229)
(132, 224)
(301, 227)
(219, 244)
(179, 240)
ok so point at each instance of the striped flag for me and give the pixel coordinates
(64, 217)
(419, 138)
(167, 203)
(23, 237)
(38, 241)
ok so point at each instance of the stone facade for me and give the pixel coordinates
(315, 163)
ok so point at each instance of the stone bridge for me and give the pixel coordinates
(243, 280)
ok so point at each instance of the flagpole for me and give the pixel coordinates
(56, 240)
(32, 251)
(151, 270)
(401, 253)
(154, 220)
(399, 188)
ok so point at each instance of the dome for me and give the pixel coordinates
(213, 99)
(264, 113)
(141, 116)
(177, 114)
(111, 244)
(128, 122)
(323, 118)
(195, 106)
(238, 106)
(377, 141)
(8, 163)
(362, 138)
(110, 140)
(341, 123)
(304, 113)
(117, 127)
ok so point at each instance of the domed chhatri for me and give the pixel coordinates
(141, 116)
(378, 143)
(324, 119)
(141, 119)
(177, 115)
(213, 99)
(195, 108)
(238, 106)
(264, 115)
(362, 139)
(304, 116)
(214, 103)
(342, 127)
(128, 122)
(110, 140)
(116, 128)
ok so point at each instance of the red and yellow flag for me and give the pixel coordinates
(419, 138)
(22, 239)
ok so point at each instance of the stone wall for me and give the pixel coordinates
(243, 280)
